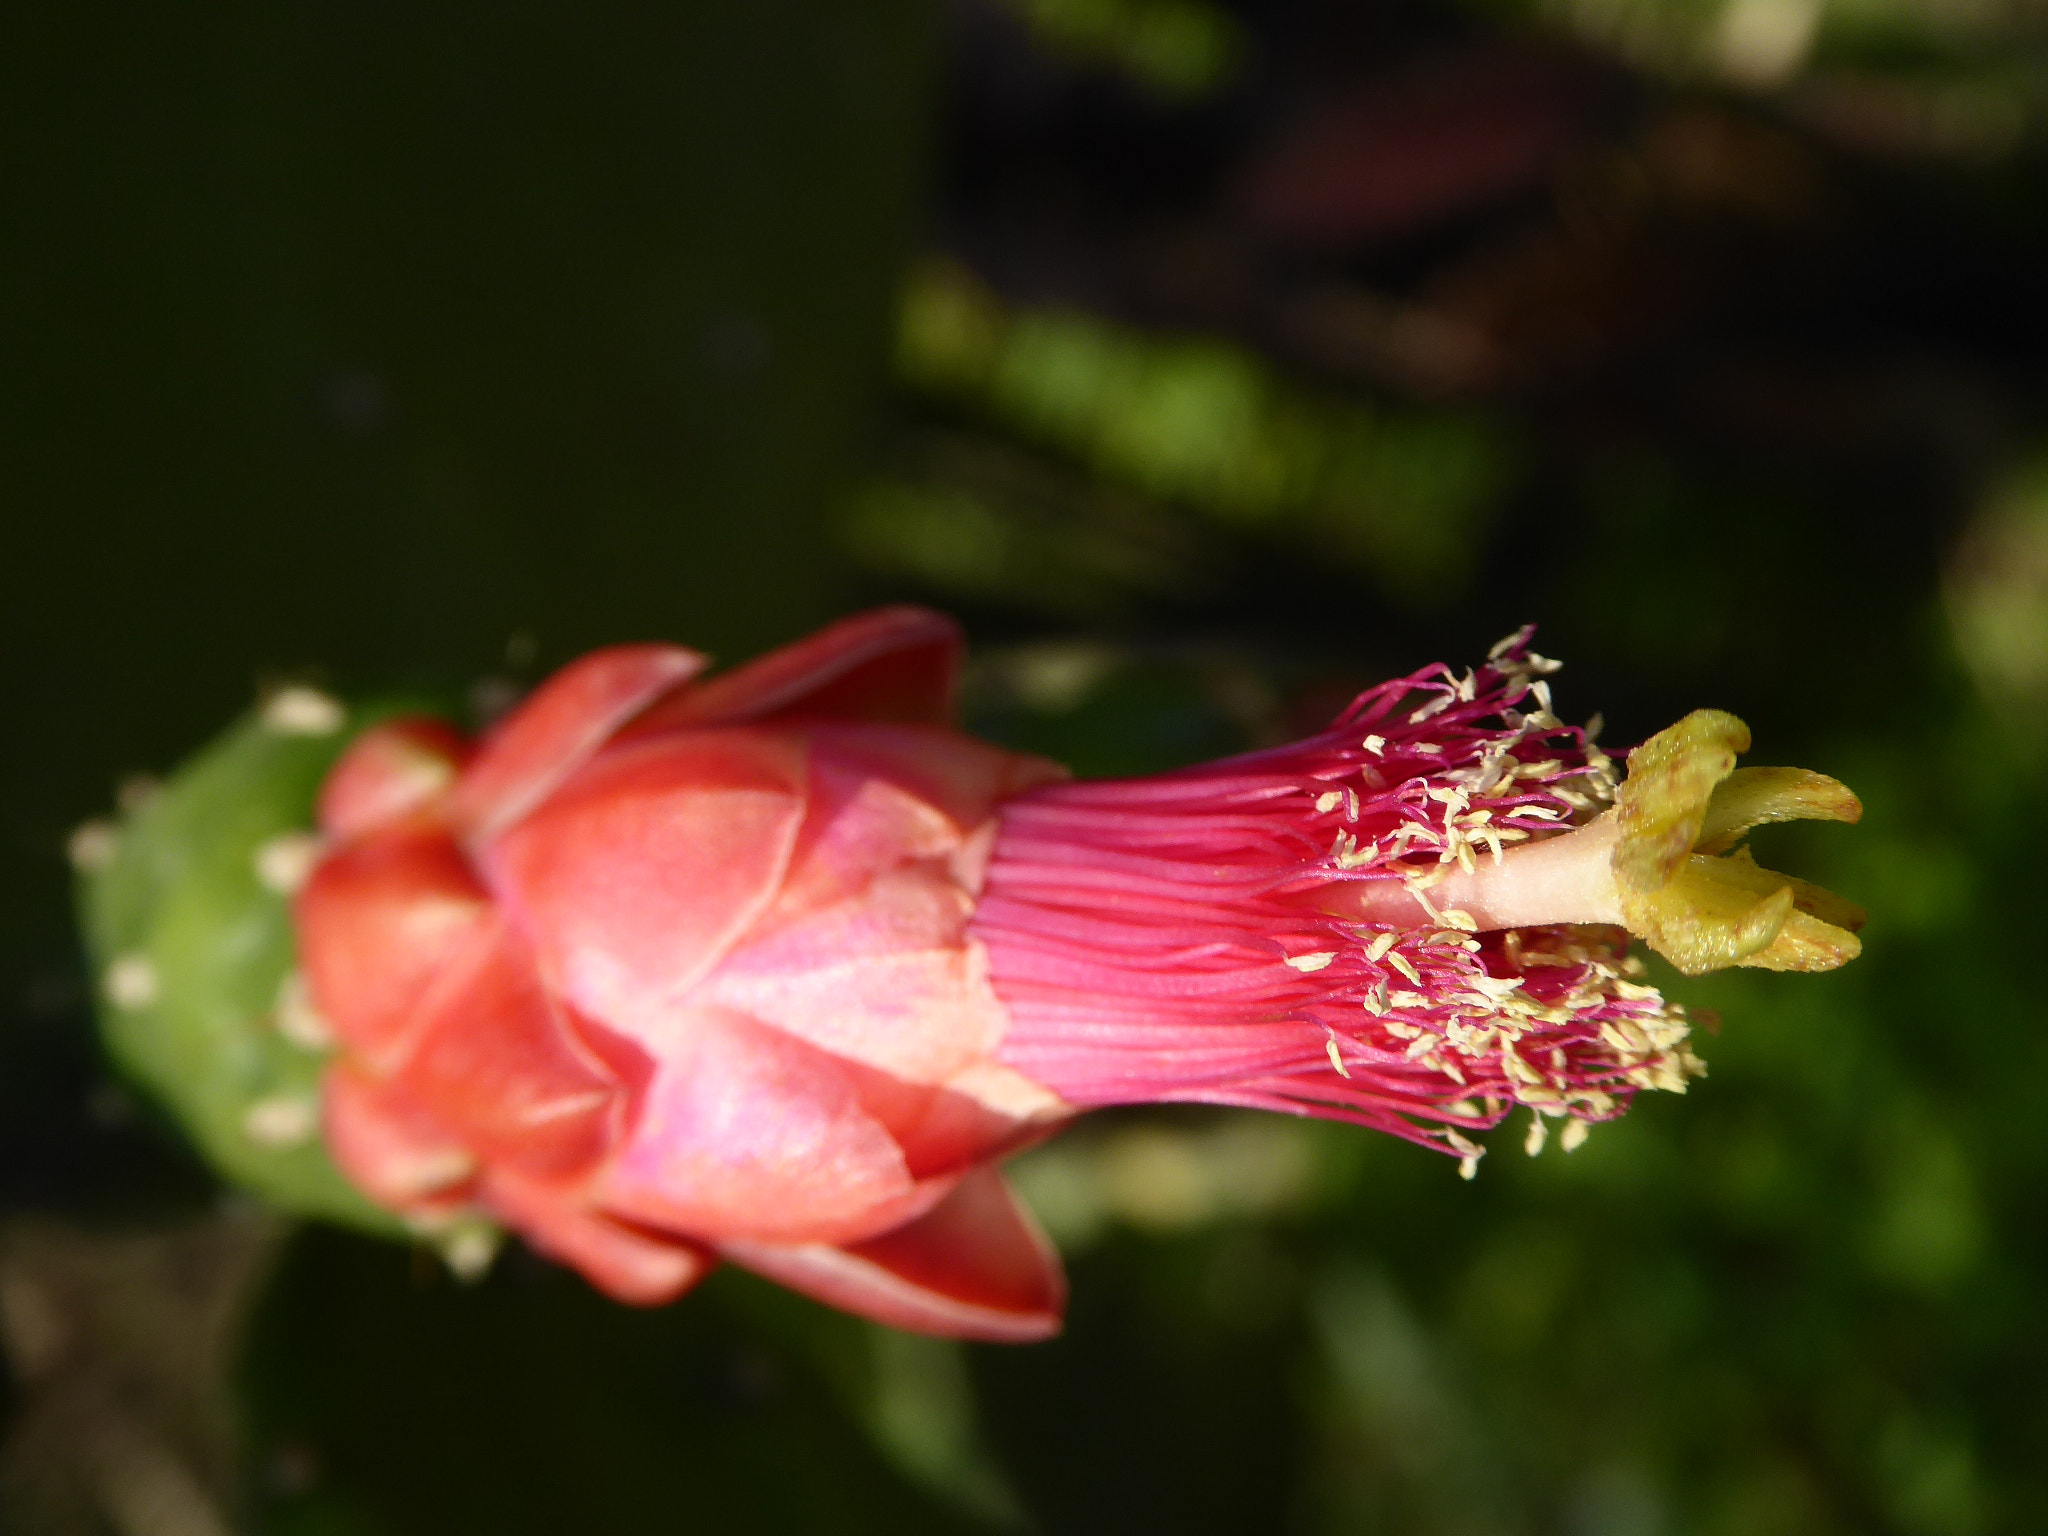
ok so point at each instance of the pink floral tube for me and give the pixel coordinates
(779, 966)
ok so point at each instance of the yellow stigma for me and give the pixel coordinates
(1682, 808)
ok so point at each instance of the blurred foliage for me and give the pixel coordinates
(1199, 422)
(1176, 47)
(120, 1348)
(993, 522)
(1954, 74)
(386, 1398)
(1344, 339)
(1998, 596)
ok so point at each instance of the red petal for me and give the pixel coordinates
(857, 825)
(975, 1267)
(391, 1149)
(640, 1268)
(896, 664)
(389, 771)
(745, 1132)
(559, 726)
(888, 980)
(940, 1130)
(638, 875)
(497, 1060)
(959, 777)
(377, 922)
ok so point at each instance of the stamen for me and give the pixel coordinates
(1130, 927)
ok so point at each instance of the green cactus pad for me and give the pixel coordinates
(187, 922)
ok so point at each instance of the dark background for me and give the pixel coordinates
(1212, 361)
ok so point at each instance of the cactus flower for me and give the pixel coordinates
(779, 966)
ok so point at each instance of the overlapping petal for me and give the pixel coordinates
(667, 969)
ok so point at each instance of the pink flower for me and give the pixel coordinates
(778, 967)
